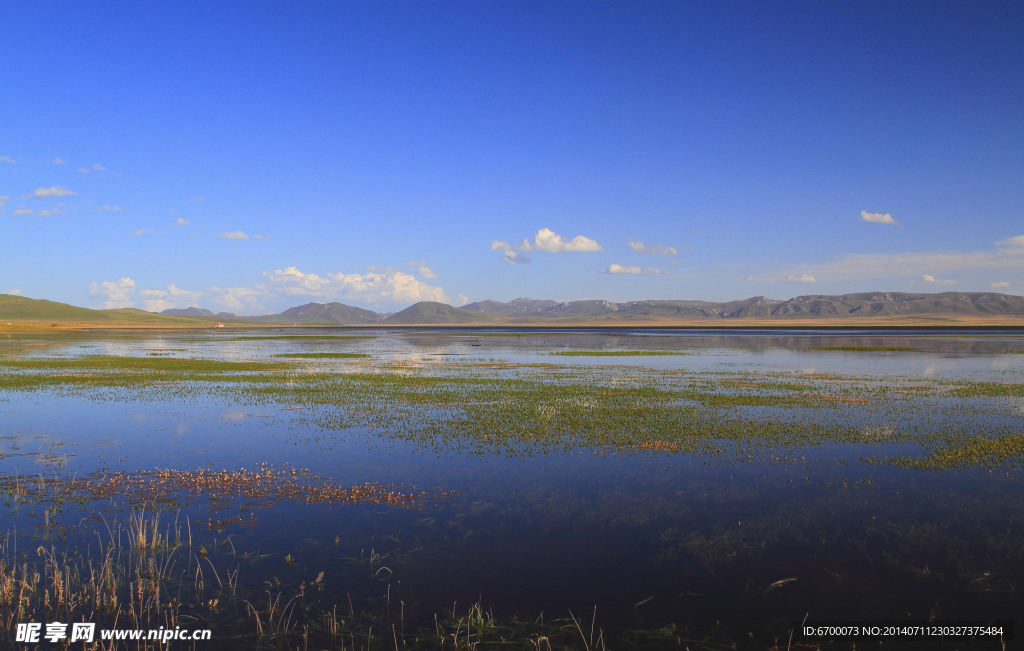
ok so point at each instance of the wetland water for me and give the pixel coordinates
(420, 488)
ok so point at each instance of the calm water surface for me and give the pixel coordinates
(651, 538)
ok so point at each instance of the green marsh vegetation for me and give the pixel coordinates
(525, 409)
(78, 374)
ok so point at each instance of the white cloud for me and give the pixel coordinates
(106, 208)
(801, 278)
(292, 281)
(158, 300)
(656, 249)
(387, 285)
(22, 210)
(181, 221)
(547, 241)
(58, 161)
(141, 231)
(374, 286)
(1009, 254)
(550, 242)
(877, 217)
(95, 168)
(14, 292)
(48, 213)
(233, 235)
(6, 159)
(461, 300)
(932, 280)
(242, 300)
(423, 269)
(46, 193)
(619, 269)
(196, 200)
(3, 200)
(512, 257)
(630, 269)
(1001, 284)
(114, 293)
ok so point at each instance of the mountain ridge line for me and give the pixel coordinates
(853, 309)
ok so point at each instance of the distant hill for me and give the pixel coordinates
(21, 309)
(517, 307)
(893, 307)
(428, 312)
(332, 313)
(964, 304)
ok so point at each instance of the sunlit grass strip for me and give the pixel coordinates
(323, 355)
(864, 349)
(615, 353)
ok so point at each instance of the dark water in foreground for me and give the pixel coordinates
(734, 547)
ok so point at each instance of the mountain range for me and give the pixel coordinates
(526, 310)
(892, 307)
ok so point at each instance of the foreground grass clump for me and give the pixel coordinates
(142, 576)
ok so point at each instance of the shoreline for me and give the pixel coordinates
(738, 324)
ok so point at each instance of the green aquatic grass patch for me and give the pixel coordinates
(987, 389)
(972, 451)
(323, 355)
(556, 411)
(89, 372)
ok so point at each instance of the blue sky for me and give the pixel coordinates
(253, 156)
